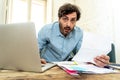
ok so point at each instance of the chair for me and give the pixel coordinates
(112, 54)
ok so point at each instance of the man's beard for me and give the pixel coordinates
(67, 30)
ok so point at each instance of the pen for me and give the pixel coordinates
(109, 67)
(115, 67)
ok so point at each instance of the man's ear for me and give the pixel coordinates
(58, 19)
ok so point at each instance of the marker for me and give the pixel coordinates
(75, 63)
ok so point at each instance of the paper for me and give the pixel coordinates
(65, 66)
(93, 45)
(74, 69)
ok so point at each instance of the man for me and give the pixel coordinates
(61, 40)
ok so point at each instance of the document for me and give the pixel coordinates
(75, 69)
(93, 45)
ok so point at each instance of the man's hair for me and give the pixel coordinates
(68, 9)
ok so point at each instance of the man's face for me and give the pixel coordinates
(67, 23)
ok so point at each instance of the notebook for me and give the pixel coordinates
(19, 48)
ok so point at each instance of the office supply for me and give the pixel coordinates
(75, 69)
(93, 45)
(65, 65)
(114, 65)
(19, 48)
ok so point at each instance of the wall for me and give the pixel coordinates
(2, 11)
(96, 16)
(116, 20)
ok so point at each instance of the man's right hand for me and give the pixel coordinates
(43, 61)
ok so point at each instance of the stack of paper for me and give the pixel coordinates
(74, 69)
(66, 66)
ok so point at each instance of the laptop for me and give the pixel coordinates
(19, 48)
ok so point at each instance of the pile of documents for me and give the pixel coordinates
(93, 45)
(74, 68)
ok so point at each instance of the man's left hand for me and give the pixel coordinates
(102, 60)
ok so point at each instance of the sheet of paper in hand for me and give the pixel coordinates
(92, 46)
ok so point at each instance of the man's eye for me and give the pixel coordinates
(73, 20)
(65, 19)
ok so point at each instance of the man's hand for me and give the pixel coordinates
(102, 60)
(43, 61)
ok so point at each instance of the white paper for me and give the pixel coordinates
(93, 45)
(84, 68)
(92, 69)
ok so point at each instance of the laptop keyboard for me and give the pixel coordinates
(43, 65)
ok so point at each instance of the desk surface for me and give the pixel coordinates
(54, 73)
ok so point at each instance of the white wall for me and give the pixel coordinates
(2, 11)
(101, 16)
(96, 16)
(116, 20)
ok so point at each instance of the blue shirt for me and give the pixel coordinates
(54, 46)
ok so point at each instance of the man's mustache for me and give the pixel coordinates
(67, 28)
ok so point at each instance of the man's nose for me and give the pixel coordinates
(68, 23)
